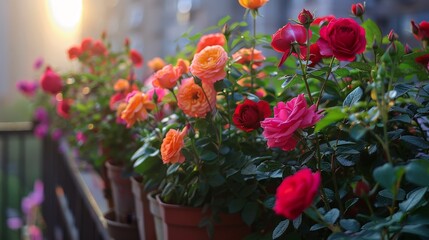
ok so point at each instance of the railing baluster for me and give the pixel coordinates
(5, 185)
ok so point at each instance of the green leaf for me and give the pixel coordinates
(357, 132)
(333, 115)
(208, 156)
(372, 32)
(173, 168)
(236, 205)
(332, 216)
(350, 225)
(216, 179)
(250, 212)
(345, 162)
(224, 20)
(413, 199)
(402, 88)
(280, 229)
(418, 229)
(145, 163)
(415, 141)
(385, 175)
(353, 97)
(317, 226)
(349, 203)
(366, 67)
(297, 222)
(417, 172)
(342, 72)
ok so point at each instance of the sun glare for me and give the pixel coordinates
(66, 13)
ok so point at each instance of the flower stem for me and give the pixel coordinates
(252, 71)
(304, 75)
(324, 82)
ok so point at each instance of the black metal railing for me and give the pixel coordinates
(70, 209)
(20, 166)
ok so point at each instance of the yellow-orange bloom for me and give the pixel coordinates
(192, 100)
(156, 64)
(252, 4)
(209, 64)
(121, 85)
(138, 105)
(183, 65)
(211, 40)
(166, 77)
(244, 56)
(172, 145)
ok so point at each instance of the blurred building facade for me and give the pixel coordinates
(27, 30)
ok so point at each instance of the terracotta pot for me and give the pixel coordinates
(156, 213)
(120, 231)
(144, 217)
(182, 223)
(123, 198)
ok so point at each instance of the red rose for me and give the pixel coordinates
(249, 114)
(421, 31)
(423, 60)
(74, 52)
(322, 20)
(51, 82)
(86, 44)
(343, 38)
(63, 108)
(315, 56)
(136, 58)
(98, 48)
(296, 193)
(362, 188)
(288, 35)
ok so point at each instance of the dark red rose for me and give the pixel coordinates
(63, 108)
(358, 9)
(288, 35)
(249, 114)
(51, 82)
(343, 38)
(86, 44)
(315, 56)
(305, 17)
(421, 31)
(136, 58)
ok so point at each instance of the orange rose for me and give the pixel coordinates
(172, 145)
(244, 57)
(166, 77)
(121, 85)
(156, 64)
(183, 65)
(137, 108)
(192, 100)
(252, 4)
(209, 64)
(213, 39)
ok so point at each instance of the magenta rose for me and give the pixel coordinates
(288, 118)
(51, 82)
(249, 114)
(342, 38)
(296, 193)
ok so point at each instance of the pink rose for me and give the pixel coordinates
(296, 193)
(343, 38)
(288, 118)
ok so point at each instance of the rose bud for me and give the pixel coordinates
(407, 49)
(392, 36)
(305, 17)
(415, 29)
(358, 9)
(362, 188)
